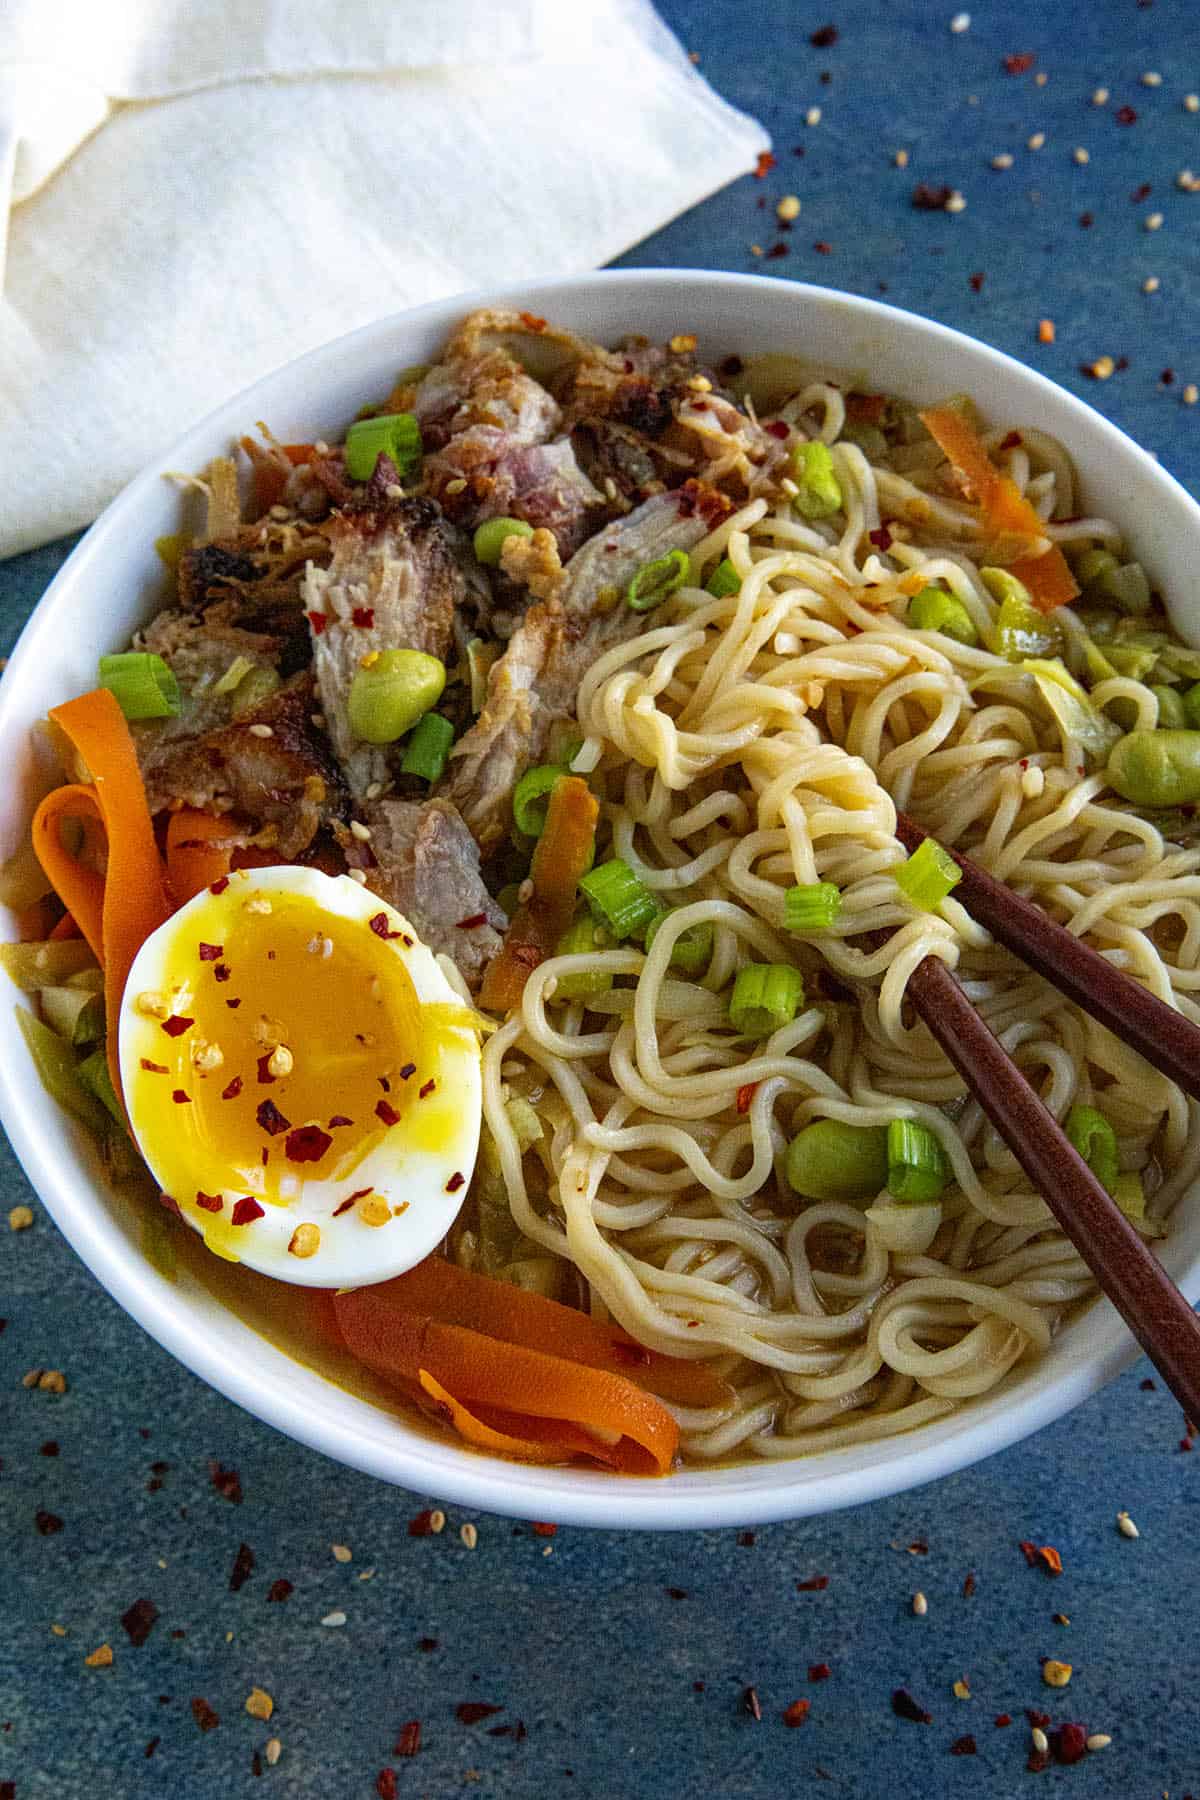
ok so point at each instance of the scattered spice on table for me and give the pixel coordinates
(905, 1707)
(243, 1568)
(205, 1717)
(227, 1482)
(796, 1713)
(138, 1621)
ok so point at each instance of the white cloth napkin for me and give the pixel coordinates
(194, 191)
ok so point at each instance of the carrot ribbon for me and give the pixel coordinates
(1005, 509)
(559, 860)
(198, 853)
(116, 911)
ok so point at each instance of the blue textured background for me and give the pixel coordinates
(623, 1688)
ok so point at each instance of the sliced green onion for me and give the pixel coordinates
(395, 435)
(74, 1013)
(509, 898)
(818, 491)
(391, 693)
(1191, 707)
(917, 1168)
(830, 1160)
(692, 950)
(905, 1227)
(1172, 708)
(869, 439)
(655, 580)
(618, 900)
(142, 684)
(1130, 1196)
(579, 939)
(59, 1073)
(427, 749)
(491, 537)
(1092, 564)
(237, 670)
(531, 797)
(1124, 584)
(1020, 629)
(1180, 662)
(93, 1072)
(811, 908)
(253, 689)
(171, 549)
(765, 996)
(928, 875)
(1091, 1134)
(50, 964)
(723, 581)
(1078, 720)
(935, 610)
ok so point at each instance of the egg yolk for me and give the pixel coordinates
(297, 1044)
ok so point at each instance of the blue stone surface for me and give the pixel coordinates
(625, 1658)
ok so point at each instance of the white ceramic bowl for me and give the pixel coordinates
(114, 580)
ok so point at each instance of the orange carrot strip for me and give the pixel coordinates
(457, 1296)
(65, 928)
(481, 1435)
(115, 912)
(1005, 509)
(559, 860)
(472, 1367)
(198, 852)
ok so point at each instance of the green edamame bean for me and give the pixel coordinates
(830, 1160)
(1172, 713)
(390, 694)
(1156, 768)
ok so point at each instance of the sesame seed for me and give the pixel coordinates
(1102, 368)
(374, 790)
(20, 1218)
(901, 159)
(272, 1750)
(1099, 1740)
(334, 1619)
(788, 208)
(374, 1210)
(961, 1690)
(1041, 1742)
(305, 1241)
(1036, 141)
(960, 22)
(1003, 161)
(279, 513)
(1100, 97)
(525, 891)
(261, 731)
(469, 1535)
(360, 831)
(342, 1553)
(259, 1703)
(1126, 1526)
(700, 384)
(281, 1061)
(813, 116)
(1189, 182)
(1151, 284)
(1153, 221)
(1151, 78)
(1041, 78)
(99, 1658)
(1191, 394)
(1056, 1674)
(258, 905)
(920, 1605)
(1080, 155)
(1191, 103)
(59, 1630)
(956, 203)
(153, 1006)
(437, 1520)
(394, 491)
(321, 447)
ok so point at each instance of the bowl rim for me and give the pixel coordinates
(463, 1476)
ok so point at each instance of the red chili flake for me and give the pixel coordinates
(822, 248)
(1019, 65)
(211, 952)
(457, 1179)
(752, 1704)
(515, 1730)
(47, 1522)
(968, 1586)
(1125, 115)
(264, 1069)
(270, 1119)
(977, 281)
(819, 1671)
(307, 1144)
(866, 409)
(409, 1740)
(1069, 1743)
(424, 1093)
(385, 1784)
(925, 198)
(219, 885)
(181, 1097)
(246, 1210)
(746, 1539)
(280, 1590)
(542, 1528)
(153, 1068)
(1051, 1558)
(318, 621)
(964, 1746)
(222, 972)
(364, 617)
(243, 1568)
(427, 1644)
(49, 1448)
(1040, 1719)
(797, 1712)
(386, 1112)
(379, 925)
(170, 1203)
(407, 1072)
(533, 321)
(138, 1621)
(676, 1593)
(1165, 380)
(233, 1089)
(773, 254)
(745, 1095)
(824, 38)
(469, 1712)
(151, 1747)
(764, 165)
(816, 1584)
(1002, 1719)
(176, 1026)
(233, 1005)
(358, 1194)
(1037, 1760)
(905, 1707)
(1185, 1443)
(420, 1524)
(882, 538)
(1013, 441)
(204, 1715)
(1140, 193)
(469, 924)
(1087, 220)
(209, 1202)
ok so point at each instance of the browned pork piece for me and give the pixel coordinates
(427, 867)
(533, 685)
(394, 582)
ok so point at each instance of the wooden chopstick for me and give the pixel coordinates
(1138, 1017)
(1135, 1281)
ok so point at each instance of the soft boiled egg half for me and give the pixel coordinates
(301, 1077)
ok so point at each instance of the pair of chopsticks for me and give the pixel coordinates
(1125, 1268)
